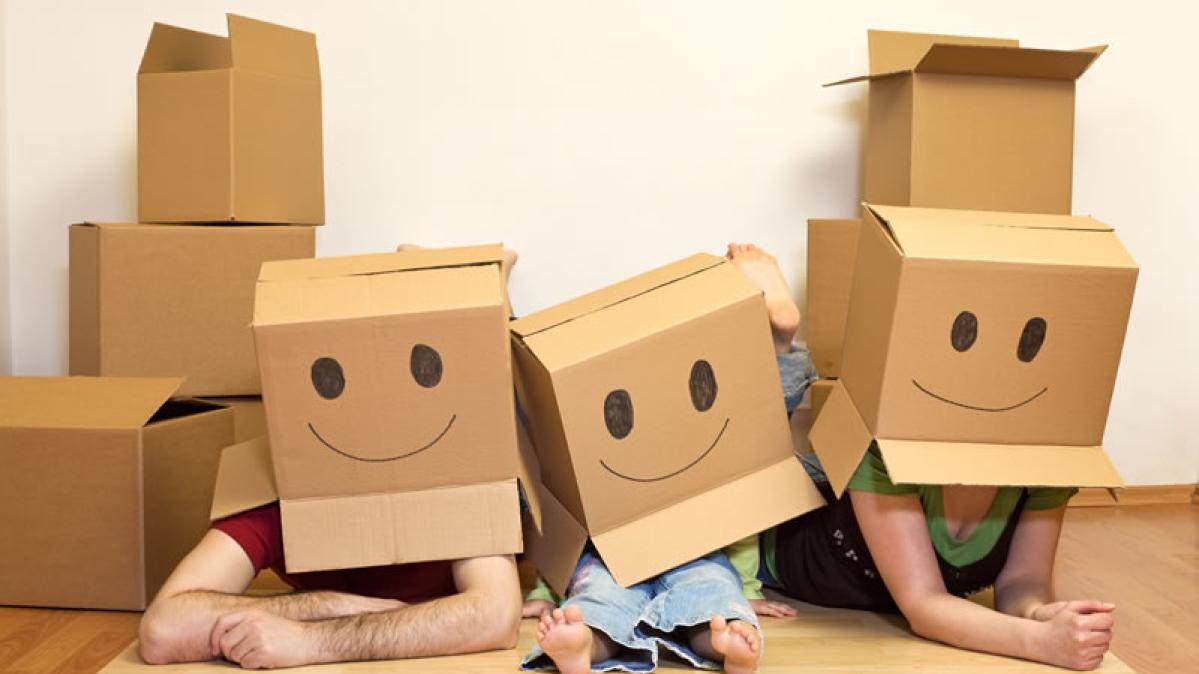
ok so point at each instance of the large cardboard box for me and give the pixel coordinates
(981, 348)
(387, 381)
(657, 416)
(832, 249)
(165, 300)
(229, 128)
(973, 123)
(105, 486)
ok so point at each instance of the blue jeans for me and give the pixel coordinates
(796, 373)
(652, 613)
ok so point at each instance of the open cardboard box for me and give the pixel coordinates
(968, 122)
(656, 413)
(105, 487)
(980, 348)
(832, 249)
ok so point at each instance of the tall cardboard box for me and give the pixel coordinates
(654, 405)
(172, 301)
(106, 485)
(387, 382)
(832, 249)
(981, 348)
(229, 128)
(970, 123)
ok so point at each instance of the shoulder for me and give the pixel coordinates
(258, 531)
(871, 476)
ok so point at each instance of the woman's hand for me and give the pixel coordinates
(1077, 633)
(534, 608)
(773, 609)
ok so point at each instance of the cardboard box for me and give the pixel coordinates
(655, 409)
(965, 122)
(106, 485)
(249, 416)
(229, 128)
(164, 300)
(832, 249)
(387, 381)
(981, 348)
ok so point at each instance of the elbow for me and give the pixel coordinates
(506, 626)
(156, 637)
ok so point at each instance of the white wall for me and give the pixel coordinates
(601, 139)
(5, 328)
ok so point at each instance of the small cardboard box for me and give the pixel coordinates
(656, 412)
(105, 486)
(249, 416)
(832, 248)
(981, 348)
(229, 128)
(966, 122)
(172, 301)
(387, 381)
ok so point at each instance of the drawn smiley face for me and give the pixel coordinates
(329, 382)
(619, 420)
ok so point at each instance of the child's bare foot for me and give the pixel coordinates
(763, 270)
(564, 637)
(738, 642)
(506, 264)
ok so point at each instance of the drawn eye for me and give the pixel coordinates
(618, 413)
(964, 332)
(1031, 339)
(425, 363)
(327, 378)
(703, 386)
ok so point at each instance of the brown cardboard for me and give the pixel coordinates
(970, 123)
(382, 451)
(832, 248)
(1014, 416)
(653, 494)
(229, 129)
(249, 416)
(105, 487)
(164, 300)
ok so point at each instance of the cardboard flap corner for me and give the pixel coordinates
(692, 528)
(924, 462)
(556, 544)
(1002, 61)
(174, 49)
(83, 402)
(840, 437)
(271, 48)
(245, 479)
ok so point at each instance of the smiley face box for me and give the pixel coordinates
(387, 386)
(656, 412)
(980, 348)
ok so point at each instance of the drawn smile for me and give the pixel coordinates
(384, 459)
(976, 408)
(669, 475)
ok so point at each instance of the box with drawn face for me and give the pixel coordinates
(980, 348)
(387, 386)
(655, 409)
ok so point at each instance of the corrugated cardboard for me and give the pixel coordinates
(652, 489)
(164, 300)
(832, 248)
(970, 123)
(105, 486)
(387, 384)
(249, 416)
(956, 398)
(229, 129)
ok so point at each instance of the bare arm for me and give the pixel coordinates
(896, 532)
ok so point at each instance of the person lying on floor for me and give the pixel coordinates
(399, 611)
(703, 611)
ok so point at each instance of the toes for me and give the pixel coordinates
(718, 623)
(558, 616)
(574, 614)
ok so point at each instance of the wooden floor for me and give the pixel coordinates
(1145, 559)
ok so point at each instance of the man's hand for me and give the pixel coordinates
(773, 609)
(256, 639)
(535, 608)
(1077, 633)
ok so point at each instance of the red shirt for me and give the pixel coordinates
(260, 535)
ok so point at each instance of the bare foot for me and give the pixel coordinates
(763, 270)
(738, 642)
(507, 262)
(564, 637)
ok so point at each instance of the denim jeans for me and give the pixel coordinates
(796, 373)
(652, 613)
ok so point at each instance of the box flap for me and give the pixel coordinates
(272, 48)
(896, 52)
(245, 479)
(922, 462)
(529, 471)
(82, 402)
(613, 294)
(840, 437)
(174, 49)
(555, 545)
(1046, 64)
(379, 263)
(692, 528)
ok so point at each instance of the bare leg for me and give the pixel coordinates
(736, 643)
(570, 643)
(763, 270)
(506, 265)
